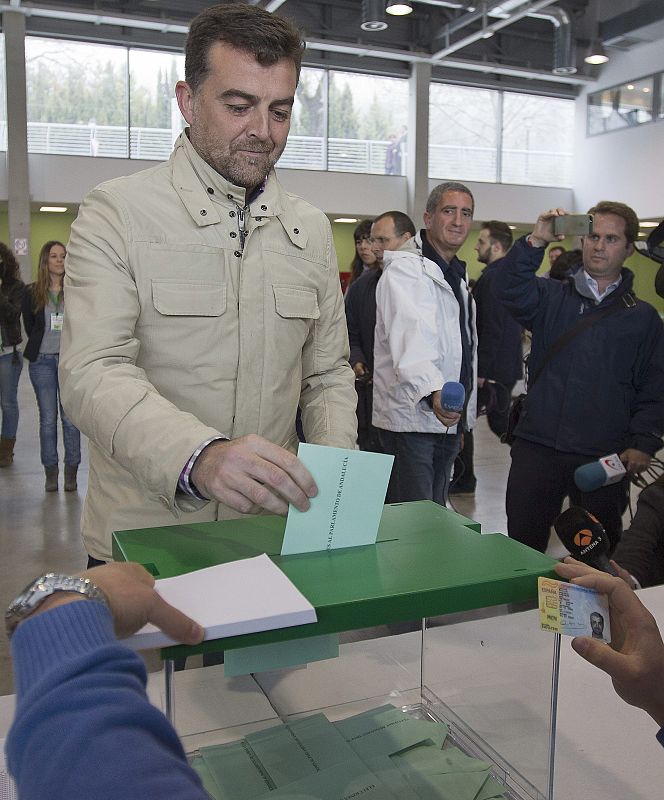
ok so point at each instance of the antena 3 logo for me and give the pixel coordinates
(584, 539)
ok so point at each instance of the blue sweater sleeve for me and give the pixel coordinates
(517, 286)
(84, 726)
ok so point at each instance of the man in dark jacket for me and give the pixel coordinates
(641, 549)
(602, 393)
(499, 351)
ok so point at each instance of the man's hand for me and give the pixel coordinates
(543, 231)
(635, 461)
(635, 659)
(133, 602)
(448, 418)
(622, 573)
(359, 369)
(249, 472)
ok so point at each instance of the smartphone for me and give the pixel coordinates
(573, 225)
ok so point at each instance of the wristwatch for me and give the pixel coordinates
(38, 590)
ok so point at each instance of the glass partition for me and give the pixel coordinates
(621, 106)
(307, 142)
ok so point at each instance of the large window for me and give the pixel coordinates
(155, 117)
(367, 118)
(464, 127)
(3, 96)
(307, 142)
(538, 135)
(493, 136)
(77, 98)
(98, 100)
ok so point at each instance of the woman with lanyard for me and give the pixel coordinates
(43, 315)
(11, 361)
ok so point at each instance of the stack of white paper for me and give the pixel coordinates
(229, 600)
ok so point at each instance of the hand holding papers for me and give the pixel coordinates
(244, 596)
(346, 511)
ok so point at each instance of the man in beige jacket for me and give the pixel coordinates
(204, 306)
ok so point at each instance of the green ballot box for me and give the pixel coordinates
(489, 675)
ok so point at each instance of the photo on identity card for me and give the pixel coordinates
(573, 610)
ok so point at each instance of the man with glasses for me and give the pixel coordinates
(425, 337)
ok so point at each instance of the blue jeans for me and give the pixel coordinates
(11, 365)
(44, 377)
(422, 464)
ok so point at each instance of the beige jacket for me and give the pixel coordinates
(173, 335)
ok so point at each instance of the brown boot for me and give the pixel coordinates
(51, 484)
(70, 477)
(6, 451)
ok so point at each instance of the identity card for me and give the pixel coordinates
(573, 610)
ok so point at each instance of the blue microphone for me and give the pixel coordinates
(604, 471)
(453, 396)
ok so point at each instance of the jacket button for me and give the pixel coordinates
(210, 190)
(237, 254)
(233, 234)
(229, 196)
(231, 213)
(203, 212)
(296, 230)
(263, 208)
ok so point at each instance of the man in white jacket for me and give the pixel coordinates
(425, 337)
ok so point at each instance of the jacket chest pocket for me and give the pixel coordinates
(182, 323)
(178, 299)
(296, 310)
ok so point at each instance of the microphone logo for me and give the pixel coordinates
(583, 538)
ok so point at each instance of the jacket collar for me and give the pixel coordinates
(578, 281)
(204, 193)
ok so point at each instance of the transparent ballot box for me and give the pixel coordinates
(414, 666)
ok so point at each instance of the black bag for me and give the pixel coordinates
(516, 409)
(519, 403)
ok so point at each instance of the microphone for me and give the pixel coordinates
(606, 470)
(453, 396)
(585, 538)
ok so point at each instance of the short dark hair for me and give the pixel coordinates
(267, 37)
(402, 222)
(499, 233)
(624, 212)
(449, 186)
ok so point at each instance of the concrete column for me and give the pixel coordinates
(417, 162)
(18, 179)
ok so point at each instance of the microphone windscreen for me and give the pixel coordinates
(584, 537)
(453, 396)
(590, 477)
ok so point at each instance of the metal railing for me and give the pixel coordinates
(365, 156)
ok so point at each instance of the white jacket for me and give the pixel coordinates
(417, 343)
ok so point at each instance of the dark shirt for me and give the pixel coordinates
(454, 273)
(361, 317)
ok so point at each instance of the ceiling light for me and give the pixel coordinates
(398, 8)
(346, 219)
(596, 54)
(646, 89)
(630, 86)
(648, 224)
(373, 15)
(512, 227)
(54, 209)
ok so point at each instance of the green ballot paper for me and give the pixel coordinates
(346, 511)
(383, 734)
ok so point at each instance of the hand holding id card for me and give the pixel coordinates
(573, 610)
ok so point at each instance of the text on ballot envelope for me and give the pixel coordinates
(346, 511)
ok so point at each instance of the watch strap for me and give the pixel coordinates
(44, 586)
